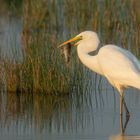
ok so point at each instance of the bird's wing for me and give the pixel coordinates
(119, 64)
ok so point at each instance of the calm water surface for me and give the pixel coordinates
(92, 115)
(54, 117)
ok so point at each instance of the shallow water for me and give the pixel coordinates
(54, 117)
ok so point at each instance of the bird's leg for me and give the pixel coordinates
(126, 109)
(123, 128)
(121, 104)
(126, 122)
(121, 124)
(120, 89)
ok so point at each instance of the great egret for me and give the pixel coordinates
(119, 66)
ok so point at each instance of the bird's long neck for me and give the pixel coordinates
(90, 61)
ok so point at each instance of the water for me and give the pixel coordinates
(55, 117)
(88, 114)
(69, 117)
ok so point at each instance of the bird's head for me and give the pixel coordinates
(87, 39)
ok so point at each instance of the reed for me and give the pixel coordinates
(46, 23)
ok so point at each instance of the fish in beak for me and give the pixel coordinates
(66, 48)
(66, 51)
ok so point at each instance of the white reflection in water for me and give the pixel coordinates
(123, 128)
(120, 137)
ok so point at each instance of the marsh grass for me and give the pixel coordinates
(46, 23)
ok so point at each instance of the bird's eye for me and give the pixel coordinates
(81, 37)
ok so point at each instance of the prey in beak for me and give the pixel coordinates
(66, 48)
(66, 51)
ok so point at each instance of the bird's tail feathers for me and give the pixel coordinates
(136, 84)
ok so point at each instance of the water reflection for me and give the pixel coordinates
(122, 135)
(33, 110)
(64, 117)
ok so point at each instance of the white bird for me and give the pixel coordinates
(118, 65)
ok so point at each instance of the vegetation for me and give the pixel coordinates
(46, 23)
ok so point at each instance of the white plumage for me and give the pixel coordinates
(119, 66)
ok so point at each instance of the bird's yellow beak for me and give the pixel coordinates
(69, 41)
